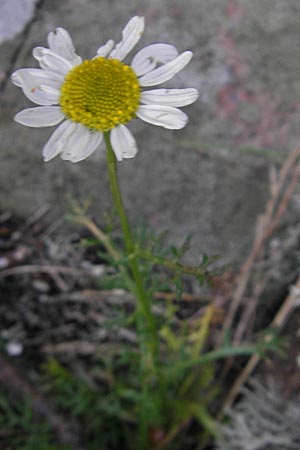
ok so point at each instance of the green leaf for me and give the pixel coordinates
(214, 355)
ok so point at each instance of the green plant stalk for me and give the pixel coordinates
(144, 305)
(146, 322)
(225, 352)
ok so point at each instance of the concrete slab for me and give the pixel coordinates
(195, 181)
(15, 15)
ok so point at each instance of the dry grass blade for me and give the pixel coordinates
(22, 270)
(292, 301)
(281, 192)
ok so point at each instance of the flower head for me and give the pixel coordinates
(88, 98)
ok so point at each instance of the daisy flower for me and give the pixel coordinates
(91, 97)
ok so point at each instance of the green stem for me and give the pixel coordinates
(214, 355)
(144, 305)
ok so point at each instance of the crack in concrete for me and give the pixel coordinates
(22, 36)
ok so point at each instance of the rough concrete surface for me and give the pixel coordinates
(15, 15)
(195, 181)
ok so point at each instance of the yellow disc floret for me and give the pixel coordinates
(100, 94)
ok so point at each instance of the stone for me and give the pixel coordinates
(209, 180)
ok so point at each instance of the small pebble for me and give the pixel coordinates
(4, 262)
(41, 286)
(14, 348)
(97, 270)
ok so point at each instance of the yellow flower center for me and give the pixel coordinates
(100, 93)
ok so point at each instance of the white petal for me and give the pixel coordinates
(95, 139)
(163, 116)
(123, 143)
(15, 78)
(58, 140)
(170, 97)
(40, 116)
(82, 143)
(61, 43)
(130, 36)
(167, 71)
(105, 49)
(51, 92)
(73, 141)
(40, 86)
(50, 60)
(149, 57)
(45, 76)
